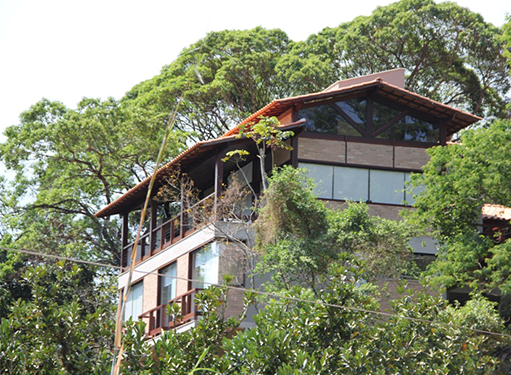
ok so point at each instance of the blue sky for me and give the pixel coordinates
(65, 50)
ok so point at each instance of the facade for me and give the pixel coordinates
(359, 138)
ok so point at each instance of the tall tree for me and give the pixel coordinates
(458, 181)
(450, 54)
(68, 164)
(223, 78)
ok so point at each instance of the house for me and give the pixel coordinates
(360, 139)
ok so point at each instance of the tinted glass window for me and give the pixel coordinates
(382, 115)
(412, 129)
(325, 119)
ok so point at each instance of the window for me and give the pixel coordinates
(351, 183)
(205, 266)
(326, 119)
(386, 187)
(134, 303)
(168, 283)
(360, 184)
(322, 176)
(351, 117)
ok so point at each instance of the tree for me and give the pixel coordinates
(65, 327)
(450, 54)
(336, 331)
(299, 237)
(458, 181)
(70, 163)
(223, 78)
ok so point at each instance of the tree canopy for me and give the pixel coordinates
(458, 181)
(449, 53)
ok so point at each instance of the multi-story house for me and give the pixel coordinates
(360, 139)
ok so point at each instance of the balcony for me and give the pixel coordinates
(158, 320)
(158, 237)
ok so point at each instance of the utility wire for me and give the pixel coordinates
(267, 294)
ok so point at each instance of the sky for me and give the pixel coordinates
(65, 50)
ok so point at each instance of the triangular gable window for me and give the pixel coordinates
(369, 118)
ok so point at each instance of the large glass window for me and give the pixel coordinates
(351, 183)
(383, 114)
(168, 284)
(412, 129)
(134, 303)
(360, 184)
(386, 187)
(325, 119)
(205, 266)
(355, 109)
(322, 176)
(349, 117)
(415, 191)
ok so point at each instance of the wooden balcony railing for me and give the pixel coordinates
(159, 320)
(170, 231)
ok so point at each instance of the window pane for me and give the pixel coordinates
(322, 176)
(387, 187)
(415, 191)
(351, 183)
(412, 129)
(134, 303)
(325, 119)
(168, 284)
(383, 114)
(205, 266)
(355, 109)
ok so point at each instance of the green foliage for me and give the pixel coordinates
(299, 237)
(68, 164)
(234, 76)
(458, 180)
(337, 333)
(64, 328)
(450, 54)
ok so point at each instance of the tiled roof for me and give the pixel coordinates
(496, 212)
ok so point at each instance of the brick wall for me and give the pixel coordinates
(183, 267)
(362, 153)
(370, 154)
(410, 157)
(321, 150)
(150, 296)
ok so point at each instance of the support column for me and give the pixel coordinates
(219, 176)
(294, 151)
(182, 228)
(124, 240)
(152, 226)
(443, 135)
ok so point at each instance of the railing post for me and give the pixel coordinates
(152, 225)
(182, 216)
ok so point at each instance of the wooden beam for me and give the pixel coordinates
(124, 240)
(349, 119)
(294, 151)
(152, 226)
(391, 122)
(219, 175)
